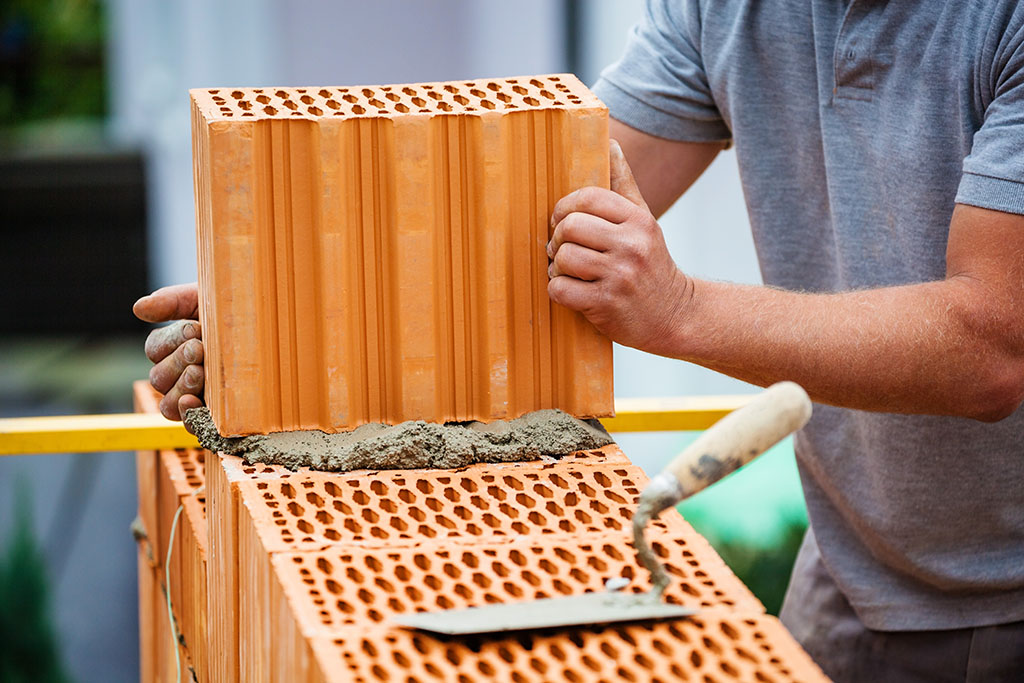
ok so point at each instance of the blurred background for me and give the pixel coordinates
(96, 209)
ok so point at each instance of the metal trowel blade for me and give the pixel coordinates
(578, 610)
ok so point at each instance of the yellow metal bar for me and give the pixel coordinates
(149, 431)
(92, 433)
(680, 413)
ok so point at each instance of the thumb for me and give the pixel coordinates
(176, 302)
(622, 180)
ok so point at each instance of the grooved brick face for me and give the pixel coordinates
(377, 253)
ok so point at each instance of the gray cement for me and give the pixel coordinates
(409, 445)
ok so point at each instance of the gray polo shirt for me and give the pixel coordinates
(857, 126)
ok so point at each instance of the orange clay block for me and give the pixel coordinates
(306, 569)
(377, 254)
(166, 480)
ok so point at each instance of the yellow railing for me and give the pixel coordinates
(146, 431)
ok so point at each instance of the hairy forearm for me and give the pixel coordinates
(934, 348)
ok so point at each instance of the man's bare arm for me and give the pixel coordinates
(952, 347)
(664, 169)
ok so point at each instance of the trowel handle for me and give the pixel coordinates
(730, 443)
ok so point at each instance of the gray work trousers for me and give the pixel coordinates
(824, 623)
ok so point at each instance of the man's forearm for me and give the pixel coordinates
(932, 348)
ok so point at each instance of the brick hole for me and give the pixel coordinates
(288, 490)
(587, 490)
(419, 102)
(305, 527)
(659, 549)
(432, 582)
(374, 102)
(532, 101)
(433, 670)
(434, 95)
(571, 499)
(451, 570)
(582, 516)
(434, 504)
(597, 563)
(763, 678)
(409, 91)
(518, 89)
(342, 507)
(388, 505)
(461, 99)
(351, 99)
(496, 492)
(352, 525)
(399, 524)
(520, 528)
(367, 92)
(315, 111)
(543, 490)
(525, 500)
(270, 110)
(370, 516)
(296, 509)
(547, 94)
(444, 106)
(413, 593)
(443, 602)
(324, 517)
(500, 569)
(296, 113)
(537, 518)
(504, 97)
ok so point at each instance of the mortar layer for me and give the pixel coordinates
(409, 445)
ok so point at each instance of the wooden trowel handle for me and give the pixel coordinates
(730, 443)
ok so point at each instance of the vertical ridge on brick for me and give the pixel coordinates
(377, 253)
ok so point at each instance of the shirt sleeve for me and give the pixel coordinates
(659, 86)
(993, 173)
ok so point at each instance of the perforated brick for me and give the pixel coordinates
(712, 647)
(376, 253)
(339, 588)
(465, 97)
(474, 504)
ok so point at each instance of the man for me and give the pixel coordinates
(881, 148)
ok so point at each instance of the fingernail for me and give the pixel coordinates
(189, 331)
(191, 377)
(189, 352)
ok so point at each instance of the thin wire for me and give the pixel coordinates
(167, 577)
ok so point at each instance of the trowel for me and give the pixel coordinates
(732, 442)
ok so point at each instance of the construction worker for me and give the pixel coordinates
(881, 149)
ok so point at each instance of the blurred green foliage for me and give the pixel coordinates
(51, 61)
(755, 519)
(28, 645)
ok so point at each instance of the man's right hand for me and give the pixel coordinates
(176, 349)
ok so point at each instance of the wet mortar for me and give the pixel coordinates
(409, 445)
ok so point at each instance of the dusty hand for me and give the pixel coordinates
(176, 349)
(610, 262)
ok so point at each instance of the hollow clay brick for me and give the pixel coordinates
(713, 646)
(376, 254)
(168, 479)
(304, 570)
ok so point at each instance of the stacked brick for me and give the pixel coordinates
(305, 570)
(376, 254)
